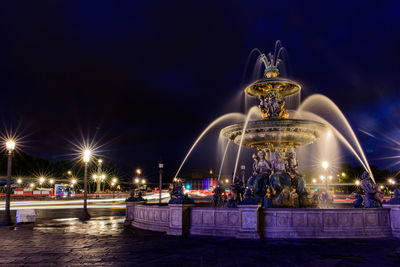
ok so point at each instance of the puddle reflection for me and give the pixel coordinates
(95, 226)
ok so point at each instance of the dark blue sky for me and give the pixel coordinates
(148, 76)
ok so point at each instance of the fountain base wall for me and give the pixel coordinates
(253, 222)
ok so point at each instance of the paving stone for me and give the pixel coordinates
(107, 242)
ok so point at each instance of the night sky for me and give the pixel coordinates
(145, 77)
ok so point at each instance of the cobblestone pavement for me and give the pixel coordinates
(104, 240)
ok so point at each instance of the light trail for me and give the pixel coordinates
(75, 203)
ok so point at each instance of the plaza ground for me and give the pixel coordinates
(59, 238)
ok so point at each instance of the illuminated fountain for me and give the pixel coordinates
(275, 136)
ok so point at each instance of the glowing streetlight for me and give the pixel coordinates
(322, 177)
(330, 177)
(19, 181)
(41, 180)
(114, 180)
(10, 146)
(86, 155)
(99, 161)
(51, 181)
(69, 172)
(138, 171)
(343, 174)
(357, 182)
(73, 181)
(143, 181)
(31, 185)
(136, 180)
(86, 158)
(391, 181)
(325, 165)
(314, 181)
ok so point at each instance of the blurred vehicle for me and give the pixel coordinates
(63, 191)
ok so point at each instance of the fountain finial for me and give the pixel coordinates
(271, 62)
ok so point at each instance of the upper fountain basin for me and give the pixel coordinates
(279, 134)
(283, 86)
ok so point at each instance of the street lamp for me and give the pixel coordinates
(143, 181)
(31, 185)
(113, 187)
(19, 181)
(51, 181)
(99, 176)
(160, 170)
(41, 180)
(325, 165)
(138, 171)
(10, 146)
(243, 170)
(357, 182)
(85, 158)
(314, 181)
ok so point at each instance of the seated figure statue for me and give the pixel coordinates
(372, 197)
(279, 178)
(132, 197)
(177, 194)
(260, 177)
(233, 196)
(396, 198)
(358, 203)
(218, 196)
(291, 165)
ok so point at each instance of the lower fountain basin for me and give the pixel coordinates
(279, 134)
(253, 222)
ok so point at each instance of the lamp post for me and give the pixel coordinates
(41, 181)
(243, 170)
(160, 170)
(86, 158)
(10, 146)
(98, 181)
(325, 165)
(113, 184)
(137, 182)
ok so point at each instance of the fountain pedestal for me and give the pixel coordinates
(179, 219)
(248, 222)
